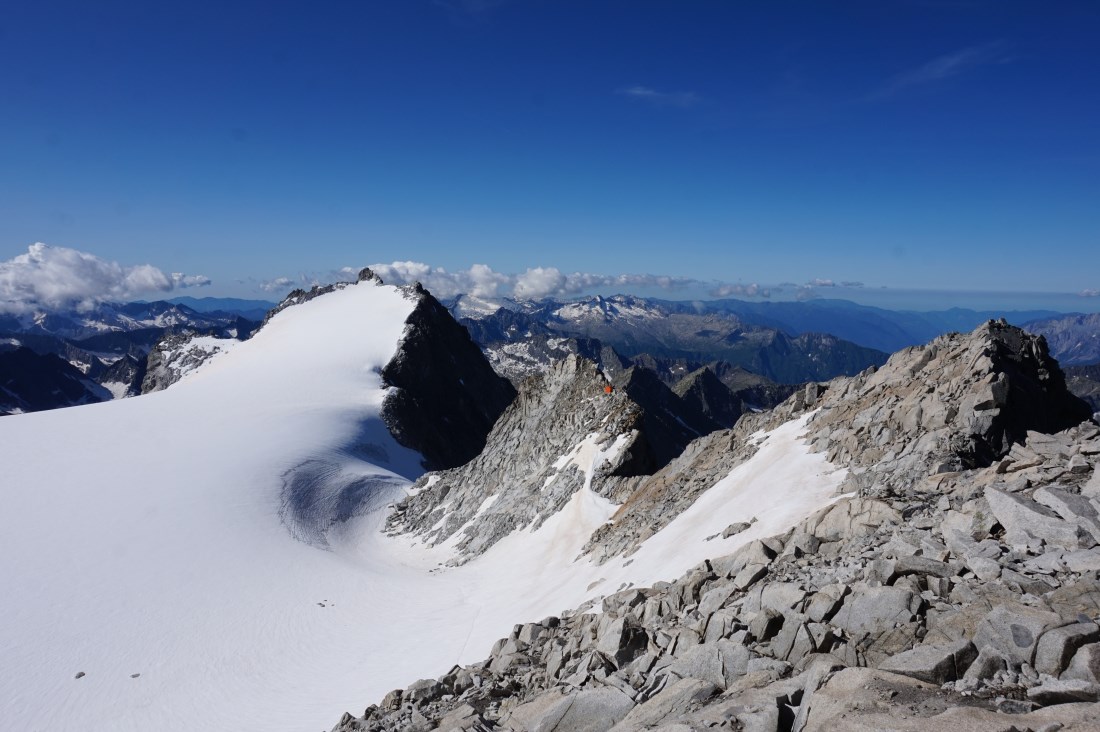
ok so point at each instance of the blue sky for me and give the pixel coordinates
(914, 144)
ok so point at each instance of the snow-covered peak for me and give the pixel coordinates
(475, 308)
(142, 543)
(603, 308)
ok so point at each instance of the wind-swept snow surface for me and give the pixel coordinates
(209, 556)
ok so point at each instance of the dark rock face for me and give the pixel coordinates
(1084, 382)
(447, 397)
(754, 391)
(669, 422)
(704, 391)
(30, 382)
(1029, 391)
(127, 370)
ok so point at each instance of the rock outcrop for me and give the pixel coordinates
(670, 422)
(446, 396)
(706, 392)
(956, 587)
(564, 433)
(177, 354)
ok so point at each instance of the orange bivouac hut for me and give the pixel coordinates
(608, 389)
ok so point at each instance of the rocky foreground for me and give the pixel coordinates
(953, 586)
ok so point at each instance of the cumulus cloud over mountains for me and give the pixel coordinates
(59, 278)
(533, 284)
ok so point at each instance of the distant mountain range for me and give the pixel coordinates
(250, 309)
(1074, 339)
(702, 325)
(760, 352)
(693, 332)
(59, 359)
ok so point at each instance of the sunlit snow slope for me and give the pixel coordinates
(143, 543)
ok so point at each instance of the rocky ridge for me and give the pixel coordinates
(714, 399)
(177, 354)
(956, 586)
(445, 397)
(564, 433)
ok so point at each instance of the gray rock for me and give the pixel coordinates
(1023, 517)
(736, 528)
(984, 569)
(988, 664)
(1014, 630)
(753, 553)
(590, 710)
(1056, 647)
(672, 701)
(1071, 507)
(875, 609)
(715, 598)
(766, 624)
(621, 641)
(1055, 691)
(825, 602)
(851, 517)
(1082, 561)
(422, 691)
(1085, 664)
(749, 575)
(933, 664)
(1076, 602)
(703, 662)
(906, 565)
(463, 718)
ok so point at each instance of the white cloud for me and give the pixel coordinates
(277, 284)
(659, 98)
(1089, 293)
(59, 278)
(818, 282)
(479, 280)
(183, 281)
(540, 282)
(750, 290)
(535, 283)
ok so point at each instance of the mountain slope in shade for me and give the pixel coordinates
(710, 396)
(30, 382)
